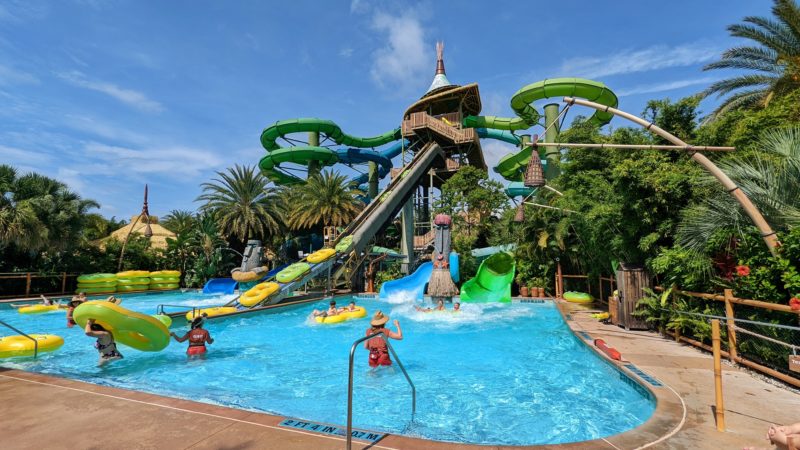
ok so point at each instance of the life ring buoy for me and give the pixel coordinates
(166, 273)
(577, 297)
(321, 255)
(97, 278)
(128, 327)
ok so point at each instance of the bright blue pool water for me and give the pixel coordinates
(493, 374)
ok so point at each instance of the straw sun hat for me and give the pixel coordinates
(379, 319)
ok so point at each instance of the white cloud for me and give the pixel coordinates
(168, 161)
(127, 96)
(12, 76)
(72, 178)
(103, 129)
(405, 62)
(662, 87)
(358, 6)
(493, 103)
(346, 52)
(16, 156)
(641, 60)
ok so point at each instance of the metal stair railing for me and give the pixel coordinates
(350, 383)
(35, 342)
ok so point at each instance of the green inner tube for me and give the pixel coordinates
(96, 290)
(105, 284)
(165, 280)
(132, 288)
(164, 286)
(577, 297)
(292, 272)
(133, 281)
(97, 278)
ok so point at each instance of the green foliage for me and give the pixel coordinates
(326, 199)
(471, 198)
(390, 272)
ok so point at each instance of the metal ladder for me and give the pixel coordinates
(35, 342)
(350, 383)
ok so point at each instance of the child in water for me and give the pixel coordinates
(439, 307)
(105, 344)
(331, 311)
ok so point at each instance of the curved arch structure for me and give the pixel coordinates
(755, 215)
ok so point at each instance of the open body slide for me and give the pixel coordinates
(220, 286)
(414, 285)
(493, 281)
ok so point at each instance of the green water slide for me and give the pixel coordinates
(324, 156)
(512, 166)
(493, 281)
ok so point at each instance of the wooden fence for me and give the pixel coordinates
(733, 354)
(30, 284)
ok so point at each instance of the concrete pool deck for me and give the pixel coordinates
(53, 412)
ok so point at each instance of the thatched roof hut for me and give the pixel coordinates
(157, 240)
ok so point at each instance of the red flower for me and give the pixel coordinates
(742, 271)
(794, 303)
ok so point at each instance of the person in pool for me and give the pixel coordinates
(457, 307)
(114, 300)
(331, 311)
(105, 344)
(439, 307)
(45, 301)
(378, 350)
(350, 308)
(197, 336)
(74, 303)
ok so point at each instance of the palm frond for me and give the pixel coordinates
(788, 12)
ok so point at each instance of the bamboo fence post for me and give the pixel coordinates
(28, 284)
(560, 281)
(719, 409)
(731, 325)
(63, 282)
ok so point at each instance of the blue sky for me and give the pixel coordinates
(109, 95)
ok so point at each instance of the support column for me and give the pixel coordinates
(426, 207)
(313, 141)
(552, 154)
(407, 240)
(372, 180)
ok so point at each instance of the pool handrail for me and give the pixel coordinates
(35, 342)
(350, 383)
(160, 309)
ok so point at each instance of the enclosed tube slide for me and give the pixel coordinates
(492, 283)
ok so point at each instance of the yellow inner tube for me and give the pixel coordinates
(211, 312)
(133, 274)
(19, 345)
(130, 328)
(321, 255)
(37, 309)
(343, 316)
(165, 273)
(259, 293)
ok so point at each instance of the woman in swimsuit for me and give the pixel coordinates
(332, 310)
(105, 344)
(197, 336)
(378, 350)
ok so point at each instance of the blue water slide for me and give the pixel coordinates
(418, 281)
(360, 155)
(220, 286)
(514, 188)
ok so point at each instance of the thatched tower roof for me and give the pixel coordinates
(157, 240)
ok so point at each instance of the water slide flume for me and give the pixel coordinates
(360, 150)
(512, 166)
(493, 281)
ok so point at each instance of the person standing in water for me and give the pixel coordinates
(439, 307)
(105, 344)
(74, 303)
(378, 350)
(197, 336)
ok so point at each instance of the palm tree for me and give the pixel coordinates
(242, 203)
(775, 58)
(328, 199)
(771, 178)
(38, 212)
(179, 221)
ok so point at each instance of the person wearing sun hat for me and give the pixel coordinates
(378, 351)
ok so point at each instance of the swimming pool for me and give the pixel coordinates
(493, 374)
